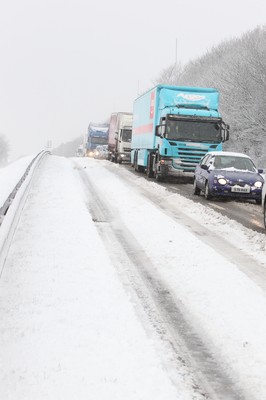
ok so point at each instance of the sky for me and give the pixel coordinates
(67, 63)
(70, 320)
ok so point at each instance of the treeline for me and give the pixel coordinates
(4, 150)
(237, 68)
(68, 149)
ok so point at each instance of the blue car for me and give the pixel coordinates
(229, 175)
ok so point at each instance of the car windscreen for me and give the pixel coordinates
(234, 162)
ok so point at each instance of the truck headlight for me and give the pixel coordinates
(222, 181)
(258, 184)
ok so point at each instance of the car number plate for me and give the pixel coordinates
(239, 189)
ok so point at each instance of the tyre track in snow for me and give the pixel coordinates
(221, 244)
(244, 212)
(159, 311)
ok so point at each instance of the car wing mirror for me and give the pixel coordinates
(205, 167)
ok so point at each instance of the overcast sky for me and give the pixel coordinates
(65, 63)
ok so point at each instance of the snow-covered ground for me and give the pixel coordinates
(10, 175)
(70, 325)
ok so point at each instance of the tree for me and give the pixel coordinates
(170, 75)
(4, 149)
(237, 68)
(68, 149)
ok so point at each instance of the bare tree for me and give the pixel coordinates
(237, 68)
(170, 75)
(4, 149)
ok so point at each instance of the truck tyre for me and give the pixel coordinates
(158, 177)
(207, 194)
(136, 167)
(264, 212)
(196, 190)
(149, 170)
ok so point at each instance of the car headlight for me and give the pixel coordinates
(258, 184)
(222, 181)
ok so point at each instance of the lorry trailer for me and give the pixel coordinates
(119, 138)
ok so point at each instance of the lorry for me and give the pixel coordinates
(119, 139)
(97, 135)
(173, 128)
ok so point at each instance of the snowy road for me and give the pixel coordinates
(115, 288)
(163, 312)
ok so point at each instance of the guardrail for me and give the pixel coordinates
(12, 195)
(16, 198)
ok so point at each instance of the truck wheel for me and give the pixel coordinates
(149, 170)
(264, 212)
(207, 194)
(136, 167)
(196, 190)
(158, 176)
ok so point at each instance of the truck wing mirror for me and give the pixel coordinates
(160, 130)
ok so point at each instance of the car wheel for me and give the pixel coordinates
(196, 190)
(264, 212)
(207, 194)
(258, 201)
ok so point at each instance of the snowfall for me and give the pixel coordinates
(71, 325)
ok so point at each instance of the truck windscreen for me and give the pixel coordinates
(99, 140)
(126, 135)
(193, 131)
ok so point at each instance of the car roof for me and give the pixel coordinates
(227, 153)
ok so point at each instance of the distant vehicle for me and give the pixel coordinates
(173, 127)
(228, 175)
(119, 139)
(101, 152)
(97, 135)
(80, 151)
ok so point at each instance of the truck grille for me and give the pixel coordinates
(189, 156)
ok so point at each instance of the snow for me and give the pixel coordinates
(70, 324)
(10, 175)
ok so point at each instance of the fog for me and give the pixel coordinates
(66, 63)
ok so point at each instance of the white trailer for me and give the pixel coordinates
(119, 139)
